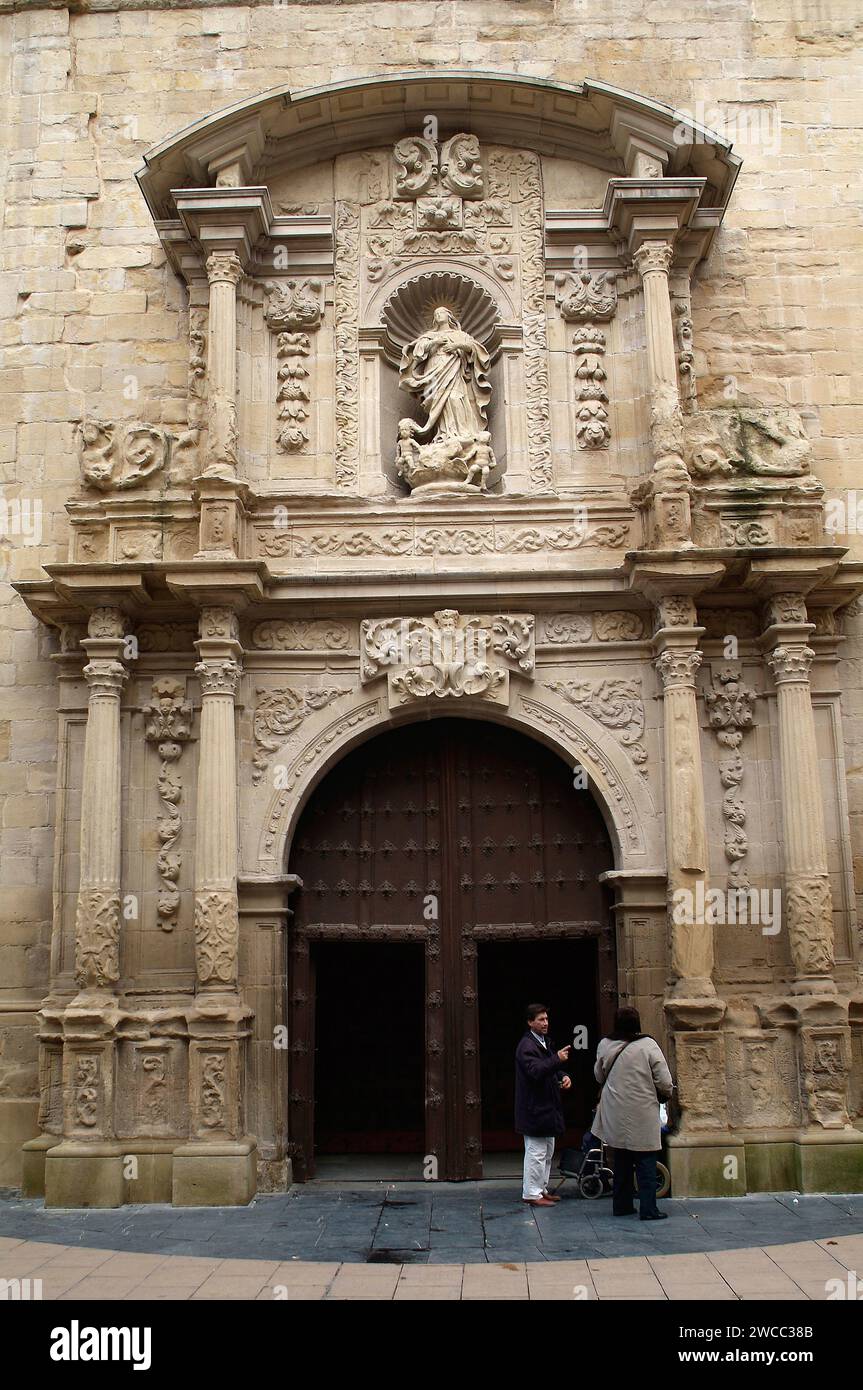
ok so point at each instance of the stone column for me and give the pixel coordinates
(217, 1167)
(224, 270)
(86, 1168)
(219, 492)
(97, 918)
(678, 660)
(216, 920)
(669, 487)
(808, 904)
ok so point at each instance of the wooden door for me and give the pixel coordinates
(447, 832)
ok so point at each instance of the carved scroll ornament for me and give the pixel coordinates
(169, 726)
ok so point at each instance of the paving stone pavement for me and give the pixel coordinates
(447, 1225)
(796, 1272)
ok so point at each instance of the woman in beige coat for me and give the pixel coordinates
(635, 1077)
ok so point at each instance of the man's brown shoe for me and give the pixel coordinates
(550, 1197)
(538, 1201)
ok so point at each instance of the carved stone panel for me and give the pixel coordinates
(701, 1079)
(152, 1091)
(451, 655)
(762, 1079)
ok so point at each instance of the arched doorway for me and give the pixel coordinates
(450, 875)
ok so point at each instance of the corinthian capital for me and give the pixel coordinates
(653, 256)
(678, 668)
(219, 676)
(224, 267)
(105, 677)
(790, 663)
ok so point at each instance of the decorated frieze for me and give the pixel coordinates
(298, 636)
(573, 629)
(417, 539)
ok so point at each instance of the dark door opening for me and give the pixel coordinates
(426, 849)
(561, 975)
(369, 1048)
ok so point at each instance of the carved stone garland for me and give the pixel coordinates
(169, 725)
(294, 310)
(347, 298)
(592, 430)
(731, 706)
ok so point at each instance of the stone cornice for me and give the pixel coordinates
(591, 122)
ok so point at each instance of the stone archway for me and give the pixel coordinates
(466, 847)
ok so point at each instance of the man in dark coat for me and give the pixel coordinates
(539, 1079)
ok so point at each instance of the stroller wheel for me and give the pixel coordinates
(663, 1180)
(592, 1186)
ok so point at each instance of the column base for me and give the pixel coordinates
(19, 1124)
(700, 1166)
(84, 1175)
(819, 985)
(807, 1161)
(215, 1174)
(33, 1156)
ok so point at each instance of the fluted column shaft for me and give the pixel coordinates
(216, 918)
(808, 900)
(97, 921)
(692, 954)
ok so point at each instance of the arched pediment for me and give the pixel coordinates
(620, 132)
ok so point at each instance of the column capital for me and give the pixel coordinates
(224, 267)
(219, 676)
(678, 667)
(653, 258)
(790, 663)
(105, 677)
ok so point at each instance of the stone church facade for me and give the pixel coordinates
(439, 467)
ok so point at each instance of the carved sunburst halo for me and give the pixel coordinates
(408, 311)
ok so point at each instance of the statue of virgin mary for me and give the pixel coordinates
(445, 368)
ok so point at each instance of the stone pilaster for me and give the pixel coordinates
(808, 905)
(678, 661)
